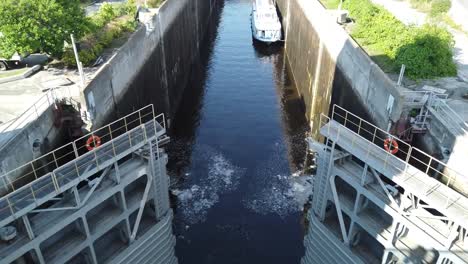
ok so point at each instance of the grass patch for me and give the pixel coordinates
(426, 51)
(432, 7)
(449, 21)
(154, 3)
(11, 73)
(330, 4)
(421, 5)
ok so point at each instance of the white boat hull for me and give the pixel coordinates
(266, 36)
(265, 23)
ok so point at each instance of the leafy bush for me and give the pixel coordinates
(426, 51)
(433, 7)
(421, 5)
(428, 55)
(439, 7)
(30, 26)
(109, 12)
(111, 22)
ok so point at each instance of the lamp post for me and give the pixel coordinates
(78, 62)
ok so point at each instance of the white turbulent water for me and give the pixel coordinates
(283, 196)
(273, 190)
(221, 177)
(280, 193)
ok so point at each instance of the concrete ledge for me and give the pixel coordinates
(26, 74)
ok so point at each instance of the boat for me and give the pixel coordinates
(266, 26)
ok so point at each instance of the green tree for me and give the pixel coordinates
(39, 25)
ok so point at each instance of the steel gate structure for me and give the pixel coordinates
(372, 206)
(109, 204)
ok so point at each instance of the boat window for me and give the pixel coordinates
(266, 15)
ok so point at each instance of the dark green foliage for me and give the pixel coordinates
(428, 55)
(39, 25)
(426, 51)
(414, 112)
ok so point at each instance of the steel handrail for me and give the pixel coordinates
(409, 154)
(420, 94)
(57, 177)
(76, 146)
(32, 107)
(73, 152)
(25, 119)
(437, 102)
(55, 180)
(441, 106)
(450, 198)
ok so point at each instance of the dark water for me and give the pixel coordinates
(236, 149)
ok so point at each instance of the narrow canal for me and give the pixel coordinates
(236, 152)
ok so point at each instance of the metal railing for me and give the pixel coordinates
(407, 154)
(437, 102)
(58, 170)
(448, 114)
(31, 114)
(417, 96)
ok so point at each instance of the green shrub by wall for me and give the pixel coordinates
(108, 24)
(426, 51)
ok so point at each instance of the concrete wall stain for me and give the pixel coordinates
(158, 55)
(324, 58)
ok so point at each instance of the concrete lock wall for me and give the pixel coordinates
(20, 150)
(323, 58)
(442, 135)
(159, 54)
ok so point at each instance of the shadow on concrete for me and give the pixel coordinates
(187, 117)
(385, 63)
